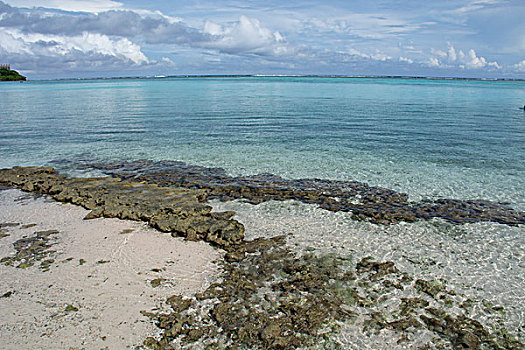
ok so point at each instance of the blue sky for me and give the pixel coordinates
(102, 38)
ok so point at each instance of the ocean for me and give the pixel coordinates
(431, 139)
(427, 138)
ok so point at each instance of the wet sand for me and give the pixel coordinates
(104, 273)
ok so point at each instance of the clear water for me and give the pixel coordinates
(428, 138)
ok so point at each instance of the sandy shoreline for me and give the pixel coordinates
(105, 271)
(104, 268)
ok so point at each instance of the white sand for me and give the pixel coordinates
(109, 296)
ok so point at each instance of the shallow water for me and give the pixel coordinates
(482, 261)
(427, 138)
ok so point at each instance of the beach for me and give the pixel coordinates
(104, 273)
(299, 274)
(262, 213)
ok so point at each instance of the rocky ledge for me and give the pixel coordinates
(176, 210)
(270, 296)
(374, 204)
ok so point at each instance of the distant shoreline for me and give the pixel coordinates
(233, 76)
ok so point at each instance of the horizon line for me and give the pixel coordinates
(283, 76)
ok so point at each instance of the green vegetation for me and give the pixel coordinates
(10, 75)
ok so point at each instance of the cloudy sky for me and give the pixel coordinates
(102, 38)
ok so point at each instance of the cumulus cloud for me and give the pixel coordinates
(460, 59)
(38, 44)
(42, 39)
(125, 30)
(520, 66)
(452, 56)
(377, 56)
(245, 36)
(59, 53)
(103, 33)
(434, 62)
(152, 28)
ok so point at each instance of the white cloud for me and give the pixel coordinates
(98, 31)
(494, 65)
(11, 44)
(471, 60)
(245, 36)
(89, 44)
(213, 28)
(167, 61)
(69, 5)
(122, 48)
(434, 62)
(474, 6)
(377, 56)
(520, 66)
(362, 25)
(452, 56)
(460, 59)
(439, 53)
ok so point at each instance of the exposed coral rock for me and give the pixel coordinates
(176, 210)
(375, 204)
(33, 249)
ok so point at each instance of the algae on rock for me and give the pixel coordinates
(176, 210)
(33, 249)
(273, 298)
(375, 204)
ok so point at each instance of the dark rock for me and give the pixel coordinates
(6, 294)
(432, 288)
(8, 224)
(176, 210)
(27, 226)
(32, 249)
(375, 204)
(377, 269)
(157, 282)
(71, 308)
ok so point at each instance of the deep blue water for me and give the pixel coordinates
(429, 138)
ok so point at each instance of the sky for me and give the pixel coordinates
(107, 38)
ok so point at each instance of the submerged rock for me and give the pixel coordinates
(176, 210)
(270, 297)
(374, 204)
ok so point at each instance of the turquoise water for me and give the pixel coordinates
(428, 138)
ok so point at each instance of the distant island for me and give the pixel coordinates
(7, 74)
